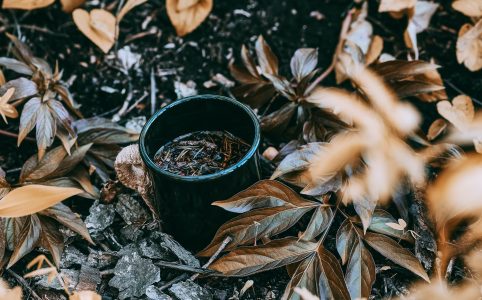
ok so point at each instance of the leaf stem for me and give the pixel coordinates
(325, 234)
(14, 135)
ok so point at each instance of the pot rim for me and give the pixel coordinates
(204, 97)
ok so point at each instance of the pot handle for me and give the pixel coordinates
(132, 173)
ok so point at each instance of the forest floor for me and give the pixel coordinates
(183, 66)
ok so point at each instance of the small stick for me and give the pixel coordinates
(14, 135)
(153, 92)
(24, 283)
(223, 245)
(181, 267)
(184, 276)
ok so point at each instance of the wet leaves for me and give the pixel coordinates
(187, 15)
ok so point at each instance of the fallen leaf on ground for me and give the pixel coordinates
(98, 25)
(470, 8)
(69, 5)
(9, 293)
(469, 46)
(26, 4)
(187, 15)
(101, 26)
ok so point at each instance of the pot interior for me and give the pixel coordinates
(200, 113)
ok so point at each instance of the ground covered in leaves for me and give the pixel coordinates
(130, 259)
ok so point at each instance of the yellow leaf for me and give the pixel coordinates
(99, 26)
(128, 7)
(30, 199)
(69, 5)
(26, 4)
(7, 293)
(470, 8)
(187, 15)
(469, 46)
(85, 295)
(7, 110)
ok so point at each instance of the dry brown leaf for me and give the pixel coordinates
(470, 8)
(436, 128)
(2, 78)
(395, 5)
(456, 192)
(132, 173)
(9, 293)
(460, 112)
(30, 199)
(99, 26)
(85, 295)
(6, 109)
(187, 15)
(26, 4)
(469, 46)
(375, 49)
(69, 5)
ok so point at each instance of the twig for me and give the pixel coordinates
(223, 245)
(184, 276)
(181, 267)
(153, 92)
(173, 281)
(14, 135)
(455, 88)
(122, 111)
(24, 283)
(343, 32)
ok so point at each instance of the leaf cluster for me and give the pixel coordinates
(269, 208)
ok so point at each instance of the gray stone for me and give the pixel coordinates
(188, 290)
(133, 275)
(131, 211)
(167, 242)
(100, 217)
(70, 276)
(131, 233)
(71, 256)
(152, 248)
(153, 293)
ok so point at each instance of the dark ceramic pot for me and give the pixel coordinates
(184, 202)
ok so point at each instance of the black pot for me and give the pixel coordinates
(184, 202)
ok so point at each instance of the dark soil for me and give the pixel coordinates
(101, 86)
(201, 153)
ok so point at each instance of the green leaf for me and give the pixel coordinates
(396, 253)
(250, 260)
